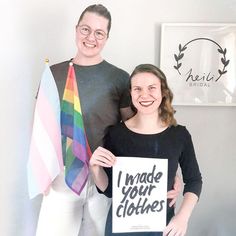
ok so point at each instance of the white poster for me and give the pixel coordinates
(139, 194)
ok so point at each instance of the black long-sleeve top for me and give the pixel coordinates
(174, 144)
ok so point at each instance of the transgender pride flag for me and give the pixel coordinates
(45, 155)
(76, 150)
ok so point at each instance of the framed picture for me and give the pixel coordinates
(199, 61)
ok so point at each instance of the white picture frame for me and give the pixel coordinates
(199, 61)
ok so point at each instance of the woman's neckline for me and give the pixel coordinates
(145, 134)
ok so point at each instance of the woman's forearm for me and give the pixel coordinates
(187, 206)
(100, 177)
(100, 158)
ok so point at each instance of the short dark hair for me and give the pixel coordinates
(100, 10)
(166, 110)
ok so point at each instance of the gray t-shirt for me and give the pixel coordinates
(103, 90)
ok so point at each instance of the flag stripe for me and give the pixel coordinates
(80, 150)
(67, 108)
(74, 133)
(79, 182)
(50, 125)
(48, 153)
(74, 169)
(71, 119)
(35, 168)
(71, 98)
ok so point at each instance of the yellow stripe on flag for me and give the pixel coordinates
(77, 104)
(68, 96)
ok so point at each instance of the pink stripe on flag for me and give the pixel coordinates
(81, 179)
(80, 151)
(40, 178)
(50, 124)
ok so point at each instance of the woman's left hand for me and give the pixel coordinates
(176, 227)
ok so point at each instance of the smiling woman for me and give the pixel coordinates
(102, 92)
(91, 44)
(151, 133)
(146, 93)
(150, 93)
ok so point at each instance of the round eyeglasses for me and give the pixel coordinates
(86, 30)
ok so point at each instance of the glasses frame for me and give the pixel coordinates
(98, 34)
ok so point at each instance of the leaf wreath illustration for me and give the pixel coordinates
(222, 51)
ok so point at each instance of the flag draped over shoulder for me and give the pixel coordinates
(45, 155)
(76, 150)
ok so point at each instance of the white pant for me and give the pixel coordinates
(64, 213)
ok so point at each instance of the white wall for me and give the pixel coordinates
(33, 30)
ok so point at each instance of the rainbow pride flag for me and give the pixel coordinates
(45, 155)
(76, 150)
